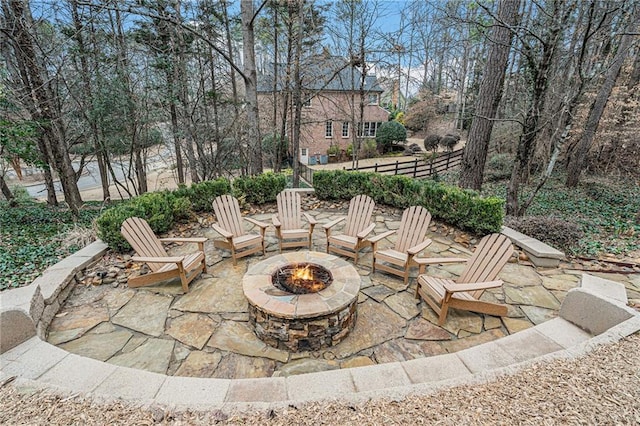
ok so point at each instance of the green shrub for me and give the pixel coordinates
(259, 189)
(182, 209)
(202, 194)
(162, 209)
(389, 133)
(369, 149)
(463, 208)
(157, 208)
(108, 225)
(498, 167)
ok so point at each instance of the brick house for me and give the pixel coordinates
(330, 111)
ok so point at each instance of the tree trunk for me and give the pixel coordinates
(8, 195)
(43, 108)
(88, 99)
(475, 152)
(251, 87)
(540, 71)
(297, 11)
(577, 158)
(176, 139)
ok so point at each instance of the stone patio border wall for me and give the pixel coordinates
(589, 316)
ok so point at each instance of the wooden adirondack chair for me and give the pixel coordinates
(288, 222)
(480, 274)
(411, 240)
(163, 267)
(241, 243)
(358, 225)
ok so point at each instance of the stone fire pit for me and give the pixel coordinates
(302, 322)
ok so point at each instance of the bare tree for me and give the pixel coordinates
(577, 157)
(248, 14)
(38, 97)
(490, 93)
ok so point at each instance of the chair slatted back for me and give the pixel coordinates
(413, 228)
(359, 215)
(289, 207)
(141, 237)
(227, 211)
(487, 261)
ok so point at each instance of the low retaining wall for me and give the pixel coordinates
(588, 317)
(27, 311)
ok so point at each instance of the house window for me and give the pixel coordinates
(368, 129)
(373, 98)
(303, 152)
(345, 129)
(328, 129)
(306, 103)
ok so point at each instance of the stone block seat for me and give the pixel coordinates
(540, 254)
(593, 314)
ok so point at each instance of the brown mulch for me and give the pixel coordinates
(601, 388)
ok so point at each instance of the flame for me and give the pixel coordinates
(303, 274)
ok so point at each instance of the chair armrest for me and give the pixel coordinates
(331, 224)
(455, 288)
(378, 237)
(312, 220)
(184, 240)
(423, 262)
(362, 234)
(419, 247)
(167, 259)
(257, 222)
(222, 231)
(276, 221)
(437, 260)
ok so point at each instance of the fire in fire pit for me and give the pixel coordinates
(302, 278)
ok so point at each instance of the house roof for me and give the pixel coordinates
(323, 74)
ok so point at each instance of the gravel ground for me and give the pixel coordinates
(601, 388)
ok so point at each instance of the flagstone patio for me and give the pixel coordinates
(206, 333)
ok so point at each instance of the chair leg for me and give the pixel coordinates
(183, 279)
(443, 313)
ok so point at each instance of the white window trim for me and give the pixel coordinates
(371, 124)
(377, 99)
(328, 129)
(348, 129)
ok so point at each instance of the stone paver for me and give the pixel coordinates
(191, 329)
(153, 355)
(236, 366)
(239, 338)
(421, 329)
(199, 364)
(214, 295)
(145, 312)
(98, 346)
(374, 326)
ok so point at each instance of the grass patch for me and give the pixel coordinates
(34, 236)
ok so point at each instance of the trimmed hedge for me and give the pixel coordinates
(259, 189)
(163, 209)
(462, 208)
(202, 194)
